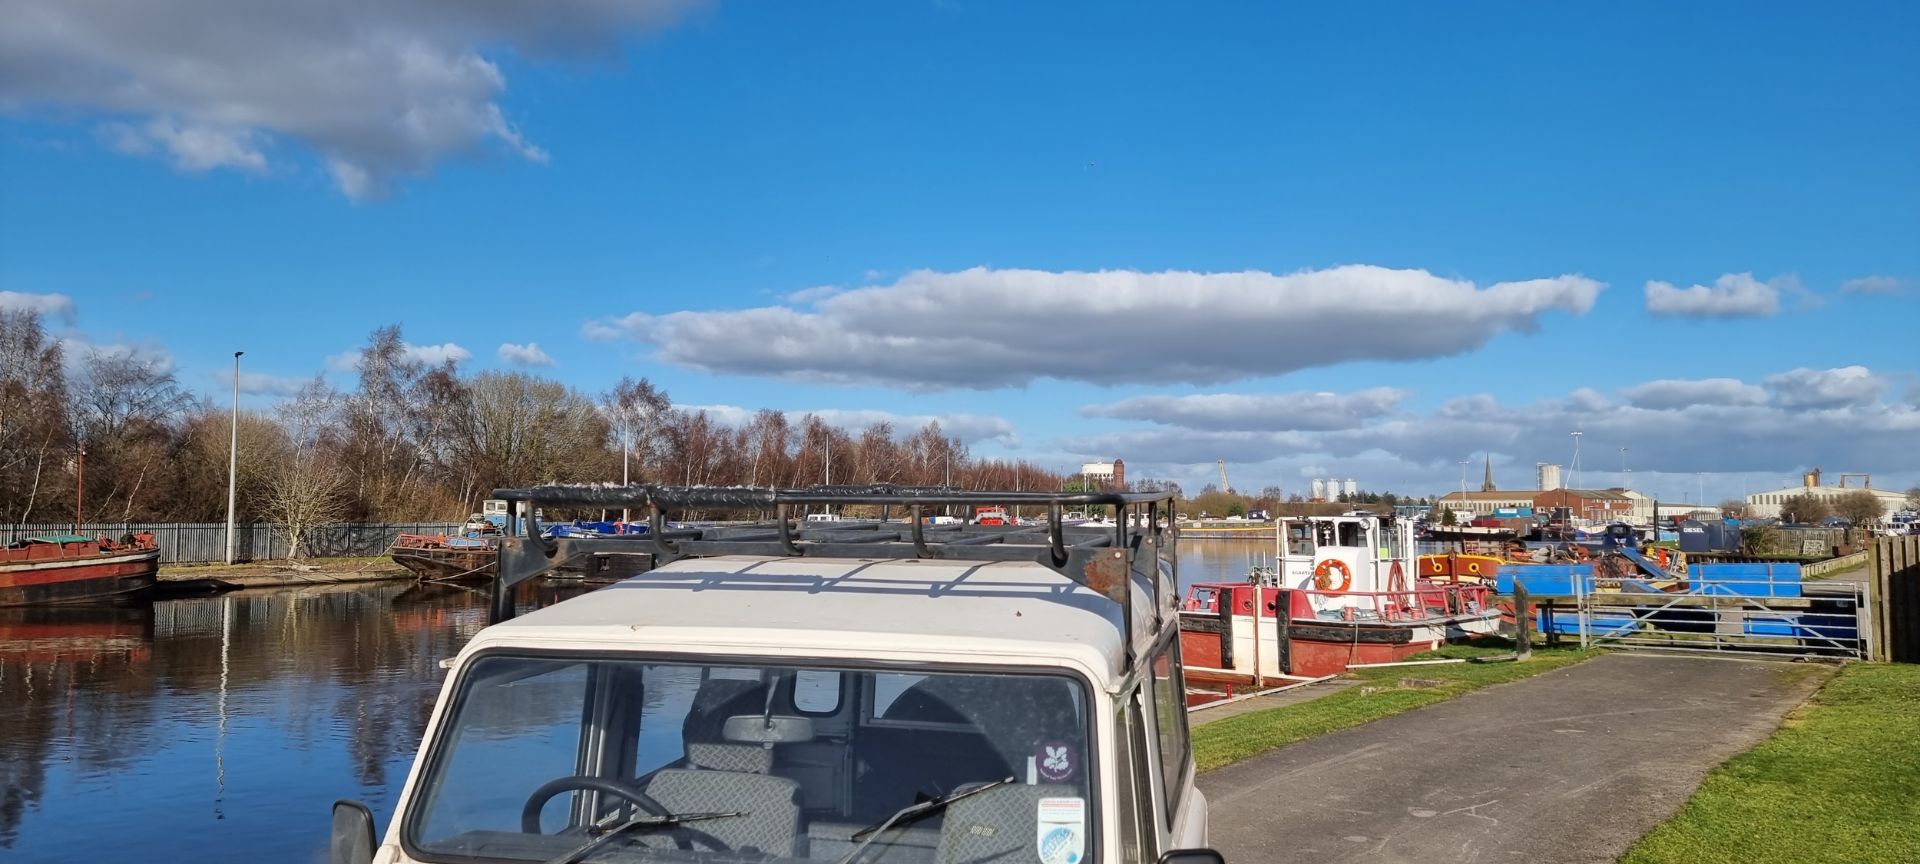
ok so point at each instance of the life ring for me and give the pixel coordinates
(1323, 579)
(1437, 567)
(1473, 567)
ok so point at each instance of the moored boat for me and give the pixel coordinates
(71, 568)
(1344, 592)
(440, 558)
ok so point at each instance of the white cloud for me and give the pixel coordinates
(613, 329)
(1874, 285)
(263, 384)
(1733, 295)
(971, 428)
(984, 329)
(1257, 411)
(378, 89)
(524, 355)
(1826, 388)
(76, 348)
(1813, 417)
(432, 355)
(1679, 393)
(58, 306)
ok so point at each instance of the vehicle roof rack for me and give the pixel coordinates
(1104, 558)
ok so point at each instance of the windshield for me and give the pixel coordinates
(544, 754)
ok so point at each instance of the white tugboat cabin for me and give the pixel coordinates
(1350, 595)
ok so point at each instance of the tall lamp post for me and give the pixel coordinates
(233, 457)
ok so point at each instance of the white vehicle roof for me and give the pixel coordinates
(921, 610)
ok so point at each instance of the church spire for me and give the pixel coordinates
(1487, 484)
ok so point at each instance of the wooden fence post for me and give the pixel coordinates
(1283, 629)
(1522, 622)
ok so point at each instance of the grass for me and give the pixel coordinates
(1379, 693)
(1836, 784)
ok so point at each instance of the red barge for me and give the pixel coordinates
(1351, 596)
(74, 568)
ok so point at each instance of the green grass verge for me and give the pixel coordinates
(1379, 693)
(1836, 784)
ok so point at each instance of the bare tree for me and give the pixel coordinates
(305, 486)
(1805, 508)
(637, 411)
(1913, 498)
(1859, 507)
(1733, 508)
(35, 435)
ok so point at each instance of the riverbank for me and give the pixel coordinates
(1372, 695)
(271, 574)
(1834, 784)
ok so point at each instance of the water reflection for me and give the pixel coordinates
(222, 728)
(1221, 560)
(219, 728)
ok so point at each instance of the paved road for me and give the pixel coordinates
(1569, 766)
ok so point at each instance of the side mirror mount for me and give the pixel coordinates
(352, 841)
(1192, 856)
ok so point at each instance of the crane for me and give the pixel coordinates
(1223, 476)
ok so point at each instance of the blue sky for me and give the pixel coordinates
(541, 180)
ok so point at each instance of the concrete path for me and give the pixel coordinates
(1569, 766)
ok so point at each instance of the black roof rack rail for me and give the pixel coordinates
(1139, 544)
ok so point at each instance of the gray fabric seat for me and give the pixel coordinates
(722, 776)
(997, 825)
(771, 805)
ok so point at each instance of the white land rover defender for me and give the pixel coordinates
(878, 691)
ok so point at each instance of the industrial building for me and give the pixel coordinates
(1766, 505)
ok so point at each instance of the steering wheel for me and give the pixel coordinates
(682, 835)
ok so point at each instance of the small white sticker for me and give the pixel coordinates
(1060, 830)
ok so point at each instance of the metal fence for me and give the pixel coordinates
(201, 542)
(1735, 616)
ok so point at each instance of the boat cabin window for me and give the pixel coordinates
(1353, 534)
(540, 754)
(1299, 539)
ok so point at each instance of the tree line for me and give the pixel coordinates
(116, 433)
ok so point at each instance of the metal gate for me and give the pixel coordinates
(1732, 616)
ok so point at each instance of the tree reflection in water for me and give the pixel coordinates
(219, 728)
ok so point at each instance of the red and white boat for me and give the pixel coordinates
(1351, 596)
(71, 567)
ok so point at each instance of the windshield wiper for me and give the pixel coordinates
(913, 812)
(607, 835)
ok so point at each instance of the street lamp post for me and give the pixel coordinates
(233, 456)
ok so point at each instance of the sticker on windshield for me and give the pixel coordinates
(1056, 762)
(1060, 830)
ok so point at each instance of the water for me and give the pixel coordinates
(223, 728)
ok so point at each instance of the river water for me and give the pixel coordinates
(222, 728)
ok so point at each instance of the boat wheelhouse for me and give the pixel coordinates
(1343, 591)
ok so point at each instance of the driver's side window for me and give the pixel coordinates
(521, 728)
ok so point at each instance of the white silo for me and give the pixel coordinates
(1351, 488)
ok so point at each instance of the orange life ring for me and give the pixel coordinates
(1324, 581)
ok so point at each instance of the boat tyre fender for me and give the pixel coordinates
(1323, 575)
